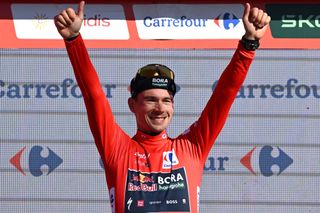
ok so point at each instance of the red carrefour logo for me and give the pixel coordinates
(227, 21)
(262, 160)
(35, 161)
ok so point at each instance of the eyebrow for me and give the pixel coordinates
(156, 98)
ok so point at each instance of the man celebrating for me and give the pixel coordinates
(152, 172)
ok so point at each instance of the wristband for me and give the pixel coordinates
(248, 44)
(72, 38)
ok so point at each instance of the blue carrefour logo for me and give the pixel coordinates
(263, 161)
(35, 161)
(226, 21)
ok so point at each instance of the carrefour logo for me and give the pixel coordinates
(291, 88)
(189, 21)
(227, 21)
(66, 89)
(216, 163)
(266, 160)
(183, 21)
(169, 159)
(35, 161)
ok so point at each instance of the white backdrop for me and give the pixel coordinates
(278, 107)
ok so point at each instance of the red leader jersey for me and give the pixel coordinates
(155, 173)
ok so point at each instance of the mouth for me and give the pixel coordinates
(158, 119)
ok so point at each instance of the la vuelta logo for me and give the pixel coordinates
(35, 161)
(262, 160)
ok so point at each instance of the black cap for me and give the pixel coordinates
(140, 83)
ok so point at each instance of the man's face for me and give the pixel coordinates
(153, 109)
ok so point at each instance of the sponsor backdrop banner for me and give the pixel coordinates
(149, 24)
(266, 158)
(101, 21)
(294, 20)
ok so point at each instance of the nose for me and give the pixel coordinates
(159, 106)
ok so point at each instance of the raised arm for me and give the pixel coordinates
(68, 23)
(205, 131)
(101, 120)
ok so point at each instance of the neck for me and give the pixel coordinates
(150, 133)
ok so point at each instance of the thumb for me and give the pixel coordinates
(246, 12)
(81, 9)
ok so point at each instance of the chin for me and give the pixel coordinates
(157, 129)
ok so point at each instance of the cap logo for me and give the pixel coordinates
(160, 82)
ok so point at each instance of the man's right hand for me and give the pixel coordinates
(68, 22)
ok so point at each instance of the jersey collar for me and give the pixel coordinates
(141, 136)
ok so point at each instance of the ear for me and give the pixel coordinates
(131, 104)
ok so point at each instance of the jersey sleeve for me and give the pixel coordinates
(101, 121)
(205, 130)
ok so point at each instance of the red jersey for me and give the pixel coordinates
(155, 173)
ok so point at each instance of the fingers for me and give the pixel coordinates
(68, 16)
(58, 23)
(81, 9)
(68, 21)
(65, 18)
(246, 11)
(259, 18)
(267, 21)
